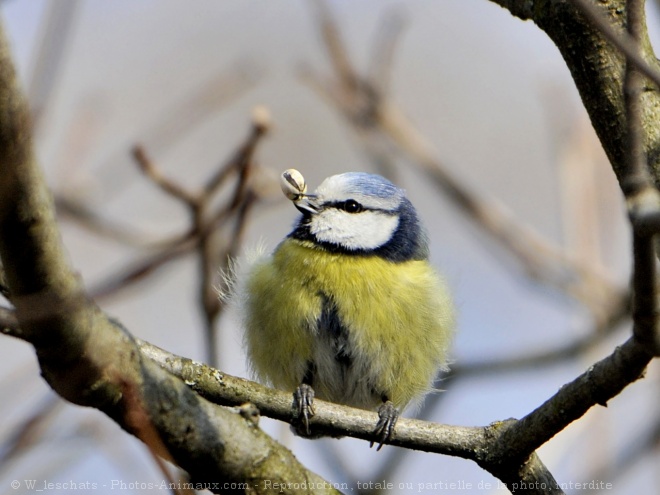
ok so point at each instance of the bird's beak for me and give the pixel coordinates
(307, 204)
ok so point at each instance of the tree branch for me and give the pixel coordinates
(330, 419)
(602, 381)
(505, 449)
(642, 197)
(472, 443)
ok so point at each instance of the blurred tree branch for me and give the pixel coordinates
(205, 221)
(205, 232)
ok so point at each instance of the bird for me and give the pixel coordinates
(348, 308)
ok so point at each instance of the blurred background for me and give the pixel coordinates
(533, 239)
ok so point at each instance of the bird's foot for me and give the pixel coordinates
(387, 418)
(303, 407)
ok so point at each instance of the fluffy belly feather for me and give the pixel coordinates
(363, 328)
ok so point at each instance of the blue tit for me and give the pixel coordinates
(347, 308)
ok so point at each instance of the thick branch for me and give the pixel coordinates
(526, 476)
(641, 196)
(47, 295)
(329, 419)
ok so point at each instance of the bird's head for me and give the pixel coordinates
(357, 213)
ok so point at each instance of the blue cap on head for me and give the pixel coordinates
(369, 184)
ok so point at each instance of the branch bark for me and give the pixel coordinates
(505, 449)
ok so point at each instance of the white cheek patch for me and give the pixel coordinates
(354, 231)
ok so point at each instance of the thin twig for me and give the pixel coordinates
(203, 224)
(209, 257)
(600, 383)
(261, 124)
(169, 186)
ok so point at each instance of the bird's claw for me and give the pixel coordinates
(387, 418)
(303, 405)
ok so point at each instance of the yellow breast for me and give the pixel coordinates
(398, 317)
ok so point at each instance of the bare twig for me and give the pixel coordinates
(169, 186)
(204, 221)
(596, 386)
(204, 224)
(330, 419)
(261, 125)
(211, 259)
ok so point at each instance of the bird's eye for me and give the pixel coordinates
(351, 206)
